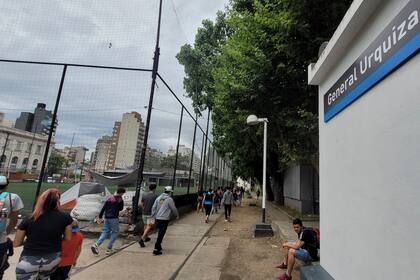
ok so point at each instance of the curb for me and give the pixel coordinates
(175, 274)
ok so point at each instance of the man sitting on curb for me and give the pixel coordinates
(304, 249)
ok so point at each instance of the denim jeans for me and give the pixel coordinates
(110, 230)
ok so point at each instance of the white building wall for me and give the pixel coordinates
(370, 169)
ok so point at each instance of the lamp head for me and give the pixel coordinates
(252, 120)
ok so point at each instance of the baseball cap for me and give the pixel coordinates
(3, 181)
(168, 189)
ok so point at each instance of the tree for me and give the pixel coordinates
(55, 163)
(256, 63)
(183, 162)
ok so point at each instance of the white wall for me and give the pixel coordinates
(370, 170)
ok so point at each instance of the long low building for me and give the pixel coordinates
(21, 150)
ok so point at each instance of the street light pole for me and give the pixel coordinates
(264, 171)
(262, 229)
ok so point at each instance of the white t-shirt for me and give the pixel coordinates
(17, 204)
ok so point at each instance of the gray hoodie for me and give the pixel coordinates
(164, 208)
(227, 198)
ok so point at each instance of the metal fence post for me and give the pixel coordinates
(177, 148)
(205, 150)
(192, 155)
(50, 134)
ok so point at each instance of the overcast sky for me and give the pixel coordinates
(106, 32)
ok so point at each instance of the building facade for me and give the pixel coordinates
(37, 122)
(101, 155)
(114, 145)
(21, 151)
(130, 141)
(369, 131)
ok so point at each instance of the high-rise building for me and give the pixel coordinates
(182, 151)
(102, 152)
(130, 141)
(114, 145)
(37, 122)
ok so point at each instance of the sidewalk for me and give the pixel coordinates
(132, 262)
(283, 221)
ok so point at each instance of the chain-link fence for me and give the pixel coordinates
(62, 123)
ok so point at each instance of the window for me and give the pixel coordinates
(25, 163)
(3, 160)
(35, 164)
(14, 162)
(38, 149)
(18, 146)
(28, 148)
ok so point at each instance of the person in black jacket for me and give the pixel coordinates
(304, 249)
(111, 227)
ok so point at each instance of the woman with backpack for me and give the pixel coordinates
(44, 230)
(208, 203)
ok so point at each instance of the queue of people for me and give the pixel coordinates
(52, 241)
(212, 200)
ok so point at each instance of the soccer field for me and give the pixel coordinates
(27, 191)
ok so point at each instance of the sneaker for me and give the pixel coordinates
(147, 239)
(284, 276)
(141, 242)
(282, 266)
(226, 220)
(95, 249)
(157, 253)
(109, 251)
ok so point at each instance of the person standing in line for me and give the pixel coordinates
(44, 230)
(111, 227)
(147, 202)
(216, 201)
(200, 196)
(10, 204)
(70, 252)
(162, 210)
(208, 204)
(239, 197)
(227, 202)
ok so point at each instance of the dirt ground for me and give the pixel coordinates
(248, 257)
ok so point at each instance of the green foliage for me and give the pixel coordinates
(55, 163)
(182, 164)
(253, 60)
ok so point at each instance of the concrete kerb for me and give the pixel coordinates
(121, 235)
(175, 274)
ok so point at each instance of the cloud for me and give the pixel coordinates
(82, 32)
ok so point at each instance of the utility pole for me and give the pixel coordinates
(149, 115)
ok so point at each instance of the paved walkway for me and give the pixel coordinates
(191, 250)
(132, 262)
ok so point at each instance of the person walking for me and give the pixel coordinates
(227, 202)
(200, 196)
(208, 204)
(70, 252)
(10, 204)
(147, 201)
(111, 227)
(44, 230)
(162, 211)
